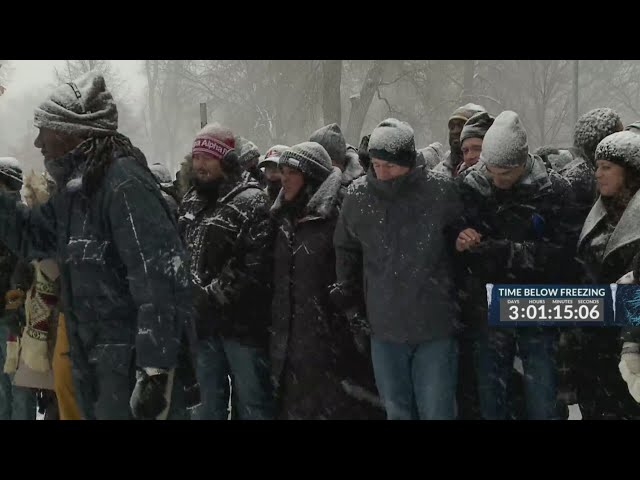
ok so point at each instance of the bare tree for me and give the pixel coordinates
(469, 74)
(73, 69)
(361, 101)
(331, 81)
(4, 74)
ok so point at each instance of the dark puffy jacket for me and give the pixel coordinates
(316, 366)
(229, 240)
(125, 287)
(526, 233)
(395, 234)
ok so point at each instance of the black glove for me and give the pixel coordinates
(148, 398)
(363, 345)
(339, 297)
(359, 324)
(200, 297)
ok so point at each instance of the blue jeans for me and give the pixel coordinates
(494, 354)
(16, 403)
(417, 382)
(248, 367)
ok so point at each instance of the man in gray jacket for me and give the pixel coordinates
(394, 228)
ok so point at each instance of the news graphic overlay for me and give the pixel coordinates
(560, 305)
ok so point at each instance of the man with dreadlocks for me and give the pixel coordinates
(124, 282)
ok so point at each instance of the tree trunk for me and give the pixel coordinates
(469, 73)
(360, 103)
(331, 80)
(576, 111)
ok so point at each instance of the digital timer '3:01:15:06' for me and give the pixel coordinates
(559, 312)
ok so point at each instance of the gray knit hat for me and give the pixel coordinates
(476, 126)
(392, 141)
(331, 138)
(310, 158)
(11, 172)
(633, 127)
(83, 107)
(248, 152)
(622, 148)
(593, 127)
(505, 143)
(465, 112)
(161, 173)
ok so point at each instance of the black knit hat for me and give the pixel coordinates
(310, 158)
(392, 141)
(11, 173)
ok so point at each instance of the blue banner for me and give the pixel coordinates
(563, 305)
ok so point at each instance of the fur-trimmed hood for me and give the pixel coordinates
(322, 203)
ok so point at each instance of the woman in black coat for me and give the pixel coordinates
(318, 371)
(608, 246)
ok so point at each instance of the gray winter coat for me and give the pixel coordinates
(448, 166)
(396, 232)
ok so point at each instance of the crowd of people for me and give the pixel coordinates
(314, 281)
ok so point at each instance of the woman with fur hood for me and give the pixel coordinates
(609, 248)
(318, 371)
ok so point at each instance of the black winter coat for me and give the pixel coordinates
(125, 287)
(318, 372)
(230, 239)
(526, 233)
(608, 252)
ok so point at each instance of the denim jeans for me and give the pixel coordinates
(16, 403)
(417, 382)
(495, 351)
(248, 367)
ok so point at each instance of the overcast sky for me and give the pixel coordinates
(29, 75)
(29, 83)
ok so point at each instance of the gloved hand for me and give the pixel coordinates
(363, 345)
(359, 324)
(630, 368)
(200, 297)
(341, 298)
(148, 399)
(14, 299)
